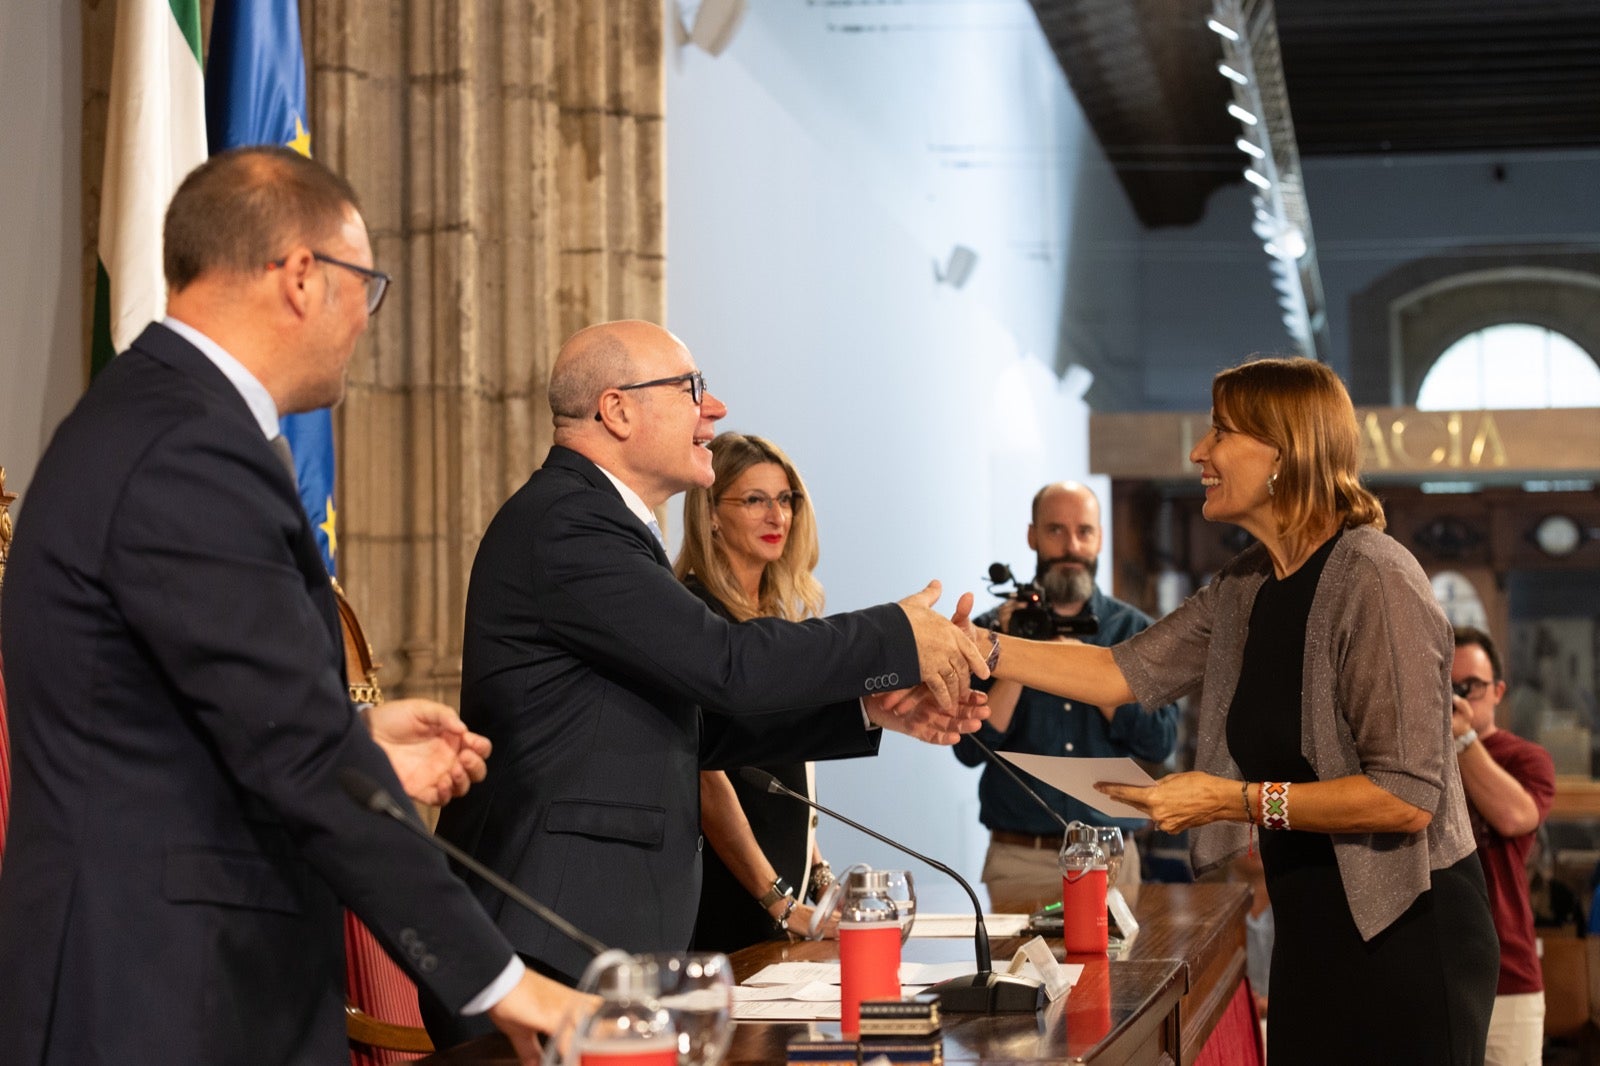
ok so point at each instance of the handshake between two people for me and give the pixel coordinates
(943, 706)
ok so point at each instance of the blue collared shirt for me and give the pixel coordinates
(1050, 725)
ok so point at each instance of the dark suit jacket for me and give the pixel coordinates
(179, 841)
(587, 664)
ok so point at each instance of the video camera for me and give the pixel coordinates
(1033, 619)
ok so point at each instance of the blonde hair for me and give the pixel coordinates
(1301, 408)
(788, 589)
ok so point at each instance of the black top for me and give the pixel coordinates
(1264, 722)
(729, 917)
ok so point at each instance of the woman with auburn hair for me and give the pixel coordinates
(1322, 665)
(749, 546)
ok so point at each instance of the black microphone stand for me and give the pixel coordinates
(984, 992)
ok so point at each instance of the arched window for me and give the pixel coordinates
(1515, 365)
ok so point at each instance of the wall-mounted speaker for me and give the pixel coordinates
(958, 268)
(710, 24)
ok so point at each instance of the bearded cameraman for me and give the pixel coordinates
(1024, 839)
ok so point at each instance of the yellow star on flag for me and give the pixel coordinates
(301, 141)
(328, 528)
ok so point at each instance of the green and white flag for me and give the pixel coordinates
(155, 135)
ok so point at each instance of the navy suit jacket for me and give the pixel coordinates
(179, 841)
(587, 663)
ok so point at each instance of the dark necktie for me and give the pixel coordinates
(280, 447)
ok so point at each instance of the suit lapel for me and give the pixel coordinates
(567, 459)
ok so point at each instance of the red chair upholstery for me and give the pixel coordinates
(382, 1016)
(1236, 1041)
(5, 764)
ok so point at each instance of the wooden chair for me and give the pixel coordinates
(382, 1018)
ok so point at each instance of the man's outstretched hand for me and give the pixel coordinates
(946, 657)
(914, 712)
(435, 755)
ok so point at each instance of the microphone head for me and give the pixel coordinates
(999, 573)
(364, 790)
(761, 779)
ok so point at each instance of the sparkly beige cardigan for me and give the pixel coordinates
(1376, 701)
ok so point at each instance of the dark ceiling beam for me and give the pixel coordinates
(1363, 76)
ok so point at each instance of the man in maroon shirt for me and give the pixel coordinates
(1510, 783)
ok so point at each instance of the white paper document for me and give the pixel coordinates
(795, 974)
(786, 1010)
(1077, 777)
(962, 926)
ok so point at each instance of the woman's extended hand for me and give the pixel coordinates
(1179, 801)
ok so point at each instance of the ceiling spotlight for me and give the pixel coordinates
(1231, 74)
(1250, 148)
(1223, 30)
(1242, 115)
(1258, 179)
(1289, 244)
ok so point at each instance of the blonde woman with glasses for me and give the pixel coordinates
(749, 548)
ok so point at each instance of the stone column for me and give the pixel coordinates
(510, 160)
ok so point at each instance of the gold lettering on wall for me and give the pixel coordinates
(1375, 456)
(1423, 439)
(1394, 441)
(1488, 435)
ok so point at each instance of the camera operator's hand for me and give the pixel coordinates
(1004, 612)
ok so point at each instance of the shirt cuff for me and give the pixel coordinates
(497, 989)
(866, 720)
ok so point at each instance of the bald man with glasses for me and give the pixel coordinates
(606, 685)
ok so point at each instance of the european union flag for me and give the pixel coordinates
(256, 94)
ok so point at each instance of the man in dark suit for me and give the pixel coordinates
(180, 843)
(587, 664)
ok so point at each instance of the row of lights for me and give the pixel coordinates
(1282, 221)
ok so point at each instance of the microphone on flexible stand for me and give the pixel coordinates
(374, 797)
(984, 992)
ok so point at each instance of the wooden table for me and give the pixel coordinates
(1156, 1005)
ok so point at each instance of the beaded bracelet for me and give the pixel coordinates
(1275, 805)
(994, 652)
(781, 922)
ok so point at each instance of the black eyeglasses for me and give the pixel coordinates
(694, 379)
(377, 281)
(1470, 688)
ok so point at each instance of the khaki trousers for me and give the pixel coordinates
(1013, 871)
(1516, 1031)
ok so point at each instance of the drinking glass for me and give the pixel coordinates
(904, 894)
(697, 992)
(1111, 844)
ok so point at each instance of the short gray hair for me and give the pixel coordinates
(597, 363)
